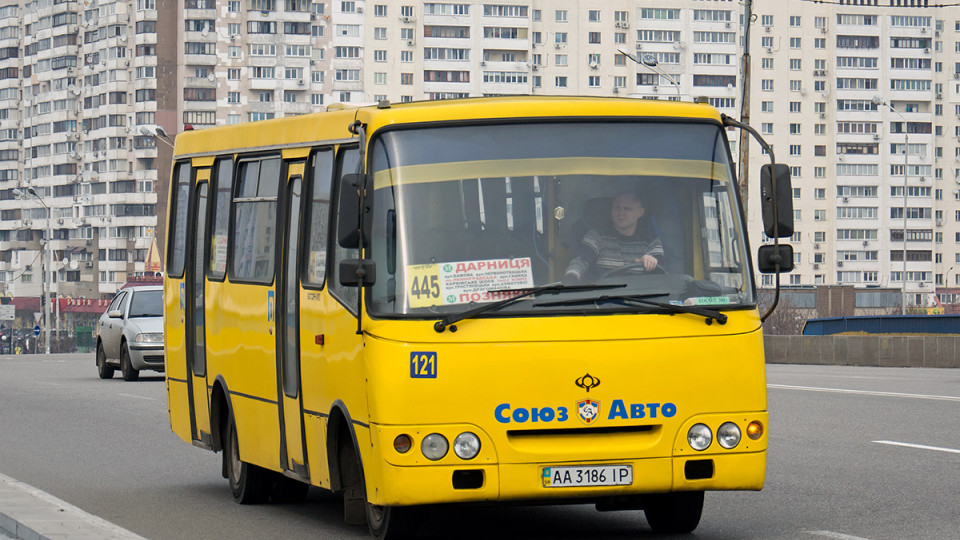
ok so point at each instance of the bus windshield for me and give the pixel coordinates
(472, 214)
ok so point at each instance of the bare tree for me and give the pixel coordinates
(786, 320)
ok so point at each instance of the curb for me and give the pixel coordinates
(30, 514)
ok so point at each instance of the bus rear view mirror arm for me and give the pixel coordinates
(358, 272)
(776, 200)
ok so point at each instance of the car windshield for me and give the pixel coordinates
(472, 214)
(146, 304)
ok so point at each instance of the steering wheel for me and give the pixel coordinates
(631, 266)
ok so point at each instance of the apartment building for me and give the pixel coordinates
(862, 101)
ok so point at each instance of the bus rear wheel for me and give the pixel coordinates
(674, 513)
(248, 483)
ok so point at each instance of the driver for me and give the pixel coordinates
(628, 241)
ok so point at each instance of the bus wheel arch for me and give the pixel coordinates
(219, 412)
(339, 433)
(347, 476)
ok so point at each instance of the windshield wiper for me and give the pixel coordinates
(444, 322)
(709, 314)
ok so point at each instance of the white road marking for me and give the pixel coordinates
(838, 536)
(863, 392)
(138, 397)
(920, 446)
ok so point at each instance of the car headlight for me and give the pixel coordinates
(699, 437)
(728, 435)
(466, 445)
(434, 446)
(149, 338)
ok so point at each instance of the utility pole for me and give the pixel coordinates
(745, 104)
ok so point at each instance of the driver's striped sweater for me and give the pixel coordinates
(599, 253)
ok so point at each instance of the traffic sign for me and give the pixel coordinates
(7, 312)
(36, 331)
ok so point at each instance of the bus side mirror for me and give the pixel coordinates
(783, 202)
(358, 272)
(349, 212)
(768, 256)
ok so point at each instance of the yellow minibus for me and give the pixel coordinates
(490, 300)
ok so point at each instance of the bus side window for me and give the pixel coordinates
(347, 160)
(220, 220)
(255, 220)
(178, 225)
(315, 258)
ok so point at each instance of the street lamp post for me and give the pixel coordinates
(649, 61)
(906, 153)
(48, 274)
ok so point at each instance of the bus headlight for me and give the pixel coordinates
(466, 445)
(728, 435)
(699, 437)
(434, 446)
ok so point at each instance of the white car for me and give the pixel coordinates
(130, 333)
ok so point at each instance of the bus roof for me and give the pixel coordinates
(333, 125)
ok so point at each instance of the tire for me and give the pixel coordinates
(249, 484)
(384, 522)
(392, 522)
(674, 513)
(103, 369)
(287, 490)
(129, 374)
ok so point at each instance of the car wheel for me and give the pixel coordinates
(129, 374)
(104, 370)
(248, 483)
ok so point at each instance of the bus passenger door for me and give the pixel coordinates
(293, 451)
(194, 324)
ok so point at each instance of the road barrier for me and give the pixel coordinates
(865, 350)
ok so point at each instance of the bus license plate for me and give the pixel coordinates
(604, 475)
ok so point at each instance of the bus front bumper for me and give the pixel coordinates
(432, 484)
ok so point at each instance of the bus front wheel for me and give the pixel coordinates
(391, 522)
(248, 483)
(674, 513)
(384, 522)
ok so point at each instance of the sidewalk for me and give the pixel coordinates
(30, 514)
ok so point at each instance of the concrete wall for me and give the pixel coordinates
(867, 350)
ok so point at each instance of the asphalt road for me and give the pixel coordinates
(106, 447)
